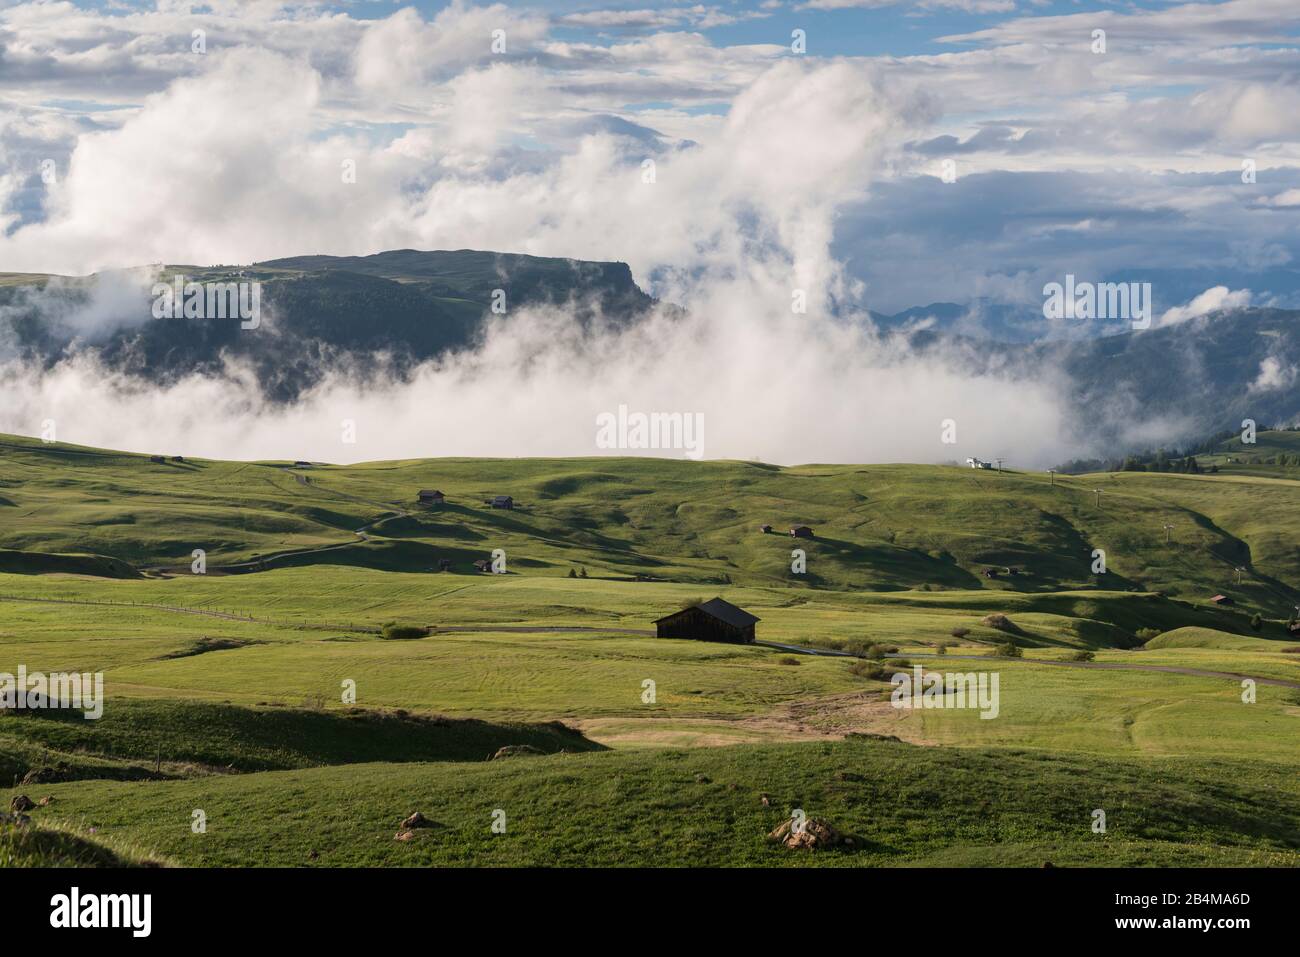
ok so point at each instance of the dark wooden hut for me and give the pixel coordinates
(713, 620)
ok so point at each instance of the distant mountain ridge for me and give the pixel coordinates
(407, 305)
(381, 315)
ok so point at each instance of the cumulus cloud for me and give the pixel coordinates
(1215, 299)
(733, 229)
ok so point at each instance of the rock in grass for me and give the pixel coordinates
(814, 834)
(21, 803)
(515, 750)
(416, 820)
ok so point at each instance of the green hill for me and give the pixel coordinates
(879, 528)
(904, 805)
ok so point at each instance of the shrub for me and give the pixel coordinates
(787, 660)
(941, 649)
(878, 650)
(1082, 656)
(1256, 622)
(872, 670)
(999, 621)
(1146, 634)
(1008, 649)
(393, 631)
(572, 573)
(959, 633)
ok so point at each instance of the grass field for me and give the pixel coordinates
(225, 689)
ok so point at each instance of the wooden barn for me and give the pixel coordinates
(800, 531)
(429, 496)
(502, 501)
(713, 620)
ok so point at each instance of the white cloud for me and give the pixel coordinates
(1215, 299)
(1286, 199)
(1274, 374)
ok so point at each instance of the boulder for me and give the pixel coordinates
(21, 803)
(815, 834)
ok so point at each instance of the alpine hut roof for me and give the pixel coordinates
(724, 611)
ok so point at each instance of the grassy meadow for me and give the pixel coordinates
(226, 690)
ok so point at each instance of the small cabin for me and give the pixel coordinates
(1222, 600)
(765, 529)
(502, 501)
(713, 620)
(800, 531)
(429, 496)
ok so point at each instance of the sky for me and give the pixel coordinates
(870, 154)
(1063, 158)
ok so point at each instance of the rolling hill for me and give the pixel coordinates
(880, 528)
(222, 689)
